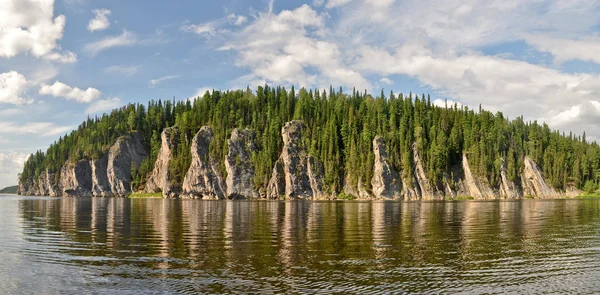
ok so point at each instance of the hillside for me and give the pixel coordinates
(9, 190)
(276, 143)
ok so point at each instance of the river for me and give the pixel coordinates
(155, 246)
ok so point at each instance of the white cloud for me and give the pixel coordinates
(100, 21)
(12, 88)
(291, 48)
(128, 71)
(564, 49)
(11, 164)
(446, 103)
(11, 112)
(201, 91)
(336, 3)
(155, 82)
(237, 20)
(104, 105)
(125, 39)
(386, 81)
(41, 128)
(206, 30)
(67, 92)
(29, 26)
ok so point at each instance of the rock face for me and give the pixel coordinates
(386, 181)
(27, 188)
(160, 180)
(76, 179)
(240, 170)
(293, 171)
(427, 190)
(508, 189)
(203, 180)
(47, 184)
(127, 152)
(474, 187)
(534, 183)
(100, 185)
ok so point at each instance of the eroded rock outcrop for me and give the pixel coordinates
(386, 181)
(27, 188)
(76, 179)
(240, 170)
(508, 188)
(129, 151)
(534, 183)
(160, 180)
(203, 180)
(100, 184)
(476, 188)
(47, 185)
(427, 190)
(293, 170)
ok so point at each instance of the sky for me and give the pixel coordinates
(64, 60)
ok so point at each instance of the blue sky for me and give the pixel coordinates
(62, 60)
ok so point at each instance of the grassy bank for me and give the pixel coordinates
(141, 195)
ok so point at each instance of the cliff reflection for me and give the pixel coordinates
(241, 239)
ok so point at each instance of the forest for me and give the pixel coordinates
(341, 129)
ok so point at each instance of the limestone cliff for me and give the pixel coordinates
(203, 180)
(426, 189)
(386, 181)
(129, 151)
(475, 187)
(26, 188)
(534, 183)
(160, 179)
(76, 179)
(100, 184)
(293, 171)
(47, 184)
(508, 188)
(240, 170)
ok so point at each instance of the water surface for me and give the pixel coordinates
(154, 246)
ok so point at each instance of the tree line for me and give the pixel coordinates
(341, 128)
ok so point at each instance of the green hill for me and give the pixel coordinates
(9, 190)
(341, 129)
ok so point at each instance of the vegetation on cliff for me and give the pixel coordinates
(340, 132)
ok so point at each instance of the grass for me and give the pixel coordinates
(141, 195)
(588, 196)
(343, 196)
(528, 197)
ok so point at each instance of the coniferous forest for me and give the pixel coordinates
(341, 129)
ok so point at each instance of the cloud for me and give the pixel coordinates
(128, 71)
(100, 21)
(29, 26)
(386, 81)
(155, 82)
(206, 30)
(12, 88)
(11, 164)
(46, 129)
(291, 48)
(237, 20)
(104, 105)
(446, 103)
(201, 91)
(125, 39)
(336, 3)
(67, 92)
(564, 49)
(11, 112)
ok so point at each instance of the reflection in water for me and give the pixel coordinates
(155, 246)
